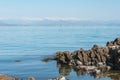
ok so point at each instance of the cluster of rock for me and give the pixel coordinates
(5, 77)
(93, 57)
(97, 57)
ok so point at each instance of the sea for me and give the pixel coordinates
(22, 49)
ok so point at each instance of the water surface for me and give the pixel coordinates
(22, 48)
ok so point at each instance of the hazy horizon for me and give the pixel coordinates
(51, 22)
(60, 9)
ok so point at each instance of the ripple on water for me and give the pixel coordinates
(31, 44)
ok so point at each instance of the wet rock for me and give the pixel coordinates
(96, 71)
(90, 68)
(78, 62)
(62, 78)
(59, 78)
(100, 64)
(86, 68)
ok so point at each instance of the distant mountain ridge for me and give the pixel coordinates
(57, 23)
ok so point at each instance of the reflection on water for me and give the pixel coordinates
(114, 75)
(66, 70)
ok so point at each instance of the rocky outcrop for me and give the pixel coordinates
(96, 56)
(107, 57)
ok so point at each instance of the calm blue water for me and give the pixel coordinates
(31, 44)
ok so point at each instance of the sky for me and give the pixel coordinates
(60, 9)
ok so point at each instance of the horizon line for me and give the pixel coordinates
(53, 19)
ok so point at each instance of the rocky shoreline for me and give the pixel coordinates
(95, 60)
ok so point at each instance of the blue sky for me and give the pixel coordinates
(60, 9)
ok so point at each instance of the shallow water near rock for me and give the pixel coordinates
(23, 48)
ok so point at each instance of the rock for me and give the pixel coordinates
(63, 57)
(95, 47)
(79, 56)
(53, 79)
(17, 60)
(98, 57)
(80, 67)
(86, 68)
(48, 59)
(5, 77)
(67, 55)
(114, 57)
(85, 58)
(79, 62)
(100, 64)
(89, 68)
(117, 41)
(60, 57)
(60, 78)
(108, 68)
(72, 63)
(31, 78)
(109, 44)
(114, 43)
(96, 71)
